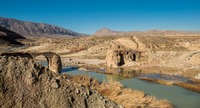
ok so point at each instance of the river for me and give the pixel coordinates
(180, 97)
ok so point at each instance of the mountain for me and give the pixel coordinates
(9, 37)
(35, 29)
(106, 31)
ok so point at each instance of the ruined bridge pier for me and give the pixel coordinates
(115, 58)
(53, 60)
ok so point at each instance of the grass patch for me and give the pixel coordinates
(193, 87)
(126, 97)
(158, 81)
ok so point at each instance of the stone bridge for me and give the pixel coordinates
(115, 58)
(53, 60)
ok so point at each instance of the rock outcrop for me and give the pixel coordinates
(197, 76)
(27, 85)
(35, 29)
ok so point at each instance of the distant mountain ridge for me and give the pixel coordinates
(35, 29)
(106, 31)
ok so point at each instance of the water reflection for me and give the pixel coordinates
(114, 78)
(68, 69)
(123, 72)
(174, 78)
(99, 76)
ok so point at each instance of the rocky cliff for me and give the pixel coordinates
(27, 85)
(36, 29)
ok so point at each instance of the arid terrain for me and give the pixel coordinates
(25, 83)
(172, 55)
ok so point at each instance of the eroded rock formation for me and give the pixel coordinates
(24, 84)
(115, 58)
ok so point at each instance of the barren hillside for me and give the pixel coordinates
(178, 54)
(36, 29)
(98, 45)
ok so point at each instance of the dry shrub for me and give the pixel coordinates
(193, 87)
(85, 80)
(158, 81)
(126, 97)
(130, 98)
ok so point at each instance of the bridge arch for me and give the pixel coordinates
(54, 62)
(42, 60)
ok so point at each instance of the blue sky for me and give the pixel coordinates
(87, 16)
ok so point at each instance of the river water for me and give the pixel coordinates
(180, 97)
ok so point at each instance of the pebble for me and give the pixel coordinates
(77, 91)
(55, 85)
